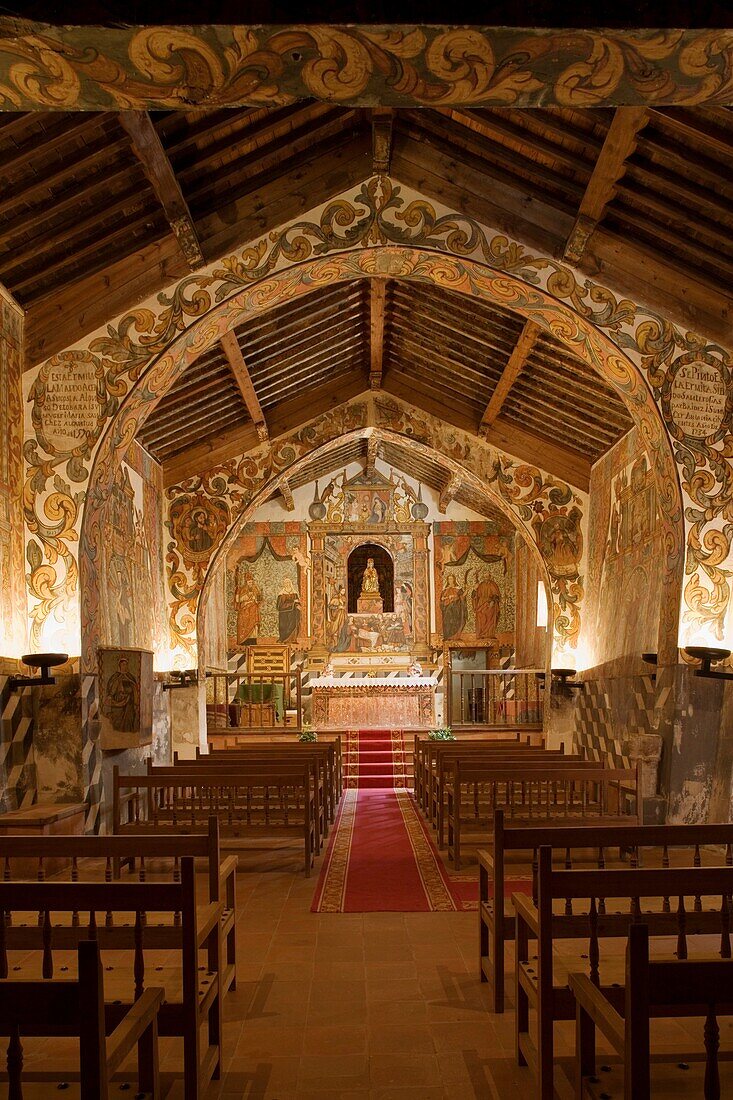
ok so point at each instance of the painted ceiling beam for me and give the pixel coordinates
(377, 302)
(382, 140)
(287, 494)
(618, 146)
(233, 352)
(149, 150)
(448, 492)
(514, 367)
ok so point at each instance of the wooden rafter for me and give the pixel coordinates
(233, 352)
(382, 140)
(448, 492)
(287, 494)
(512, 370)
(609, 168)
(373, 445)
(377, 301)
(149, 151)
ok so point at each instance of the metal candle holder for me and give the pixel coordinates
(44, 661)
(707, 656)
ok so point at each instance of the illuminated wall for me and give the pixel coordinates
(13, 626)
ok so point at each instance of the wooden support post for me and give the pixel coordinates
(149, 150)
(514, 367)
(378, 295)
(618, 146)
(382, 140)
(448, 493)
(287, 494)
(233, 352)
(373, 445)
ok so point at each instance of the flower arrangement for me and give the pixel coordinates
(445, 734)
(308, 734)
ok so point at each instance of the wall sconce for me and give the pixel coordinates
(561, 683)
(44, 661)
(650, 659)
(707, 656)
(181, 679)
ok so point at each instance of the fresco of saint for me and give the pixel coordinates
(453, 609)
(486, 599)
(247, 602)
(338, 621)
(288, 612)
(122, 698)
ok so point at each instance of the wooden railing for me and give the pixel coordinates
(495, 697)
(267, 700)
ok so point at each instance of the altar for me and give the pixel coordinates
(373, 702)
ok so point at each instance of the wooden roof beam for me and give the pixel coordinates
(514, 367)
(618, 146)
(377, 302)
(149, 150)
(448, 492)
(233, 352)
(382, 140)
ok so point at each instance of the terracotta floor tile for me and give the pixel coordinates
(404, 1070)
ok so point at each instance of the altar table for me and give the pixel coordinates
(365, 702)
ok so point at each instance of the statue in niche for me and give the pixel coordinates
(370, 580)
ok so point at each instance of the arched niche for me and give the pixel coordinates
(356, 565)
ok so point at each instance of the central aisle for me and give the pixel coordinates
(382, 859)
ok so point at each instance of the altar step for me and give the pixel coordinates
(378, 758)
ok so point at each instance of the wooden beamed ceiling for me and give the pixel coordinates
(444, 354)
(100, 210)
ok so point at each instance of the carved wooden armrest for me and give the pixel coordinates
(593, 1001)
(131, 1029)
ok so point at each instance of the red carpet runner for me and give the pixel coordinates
(376, 758)
(381, 859)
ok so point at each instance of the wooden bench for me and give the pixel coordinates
(192, 1009)
(426, 753)
(323, 753)
(89, 858)
(45, 819)
(441, 776)
(224, 743)
(67, 1007)
(271, 802)
(550, 792)
(273, 764)
(560, 891)
(573, 844)
(660, 987)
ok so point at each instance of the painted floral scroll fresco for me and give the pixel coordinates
(474, 582)
(266, 585)
(361, 234)
(152, 68)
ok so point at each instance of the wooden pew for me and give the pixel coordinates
(77, 1008)
(87, 858)
(426, 752)
(243, 802)
(323, 752)
(273, 763)
(553, 792)
(560, 891)
(440, 776)
(572, 844)
(92, 911)
(224, 743)
(660, 987)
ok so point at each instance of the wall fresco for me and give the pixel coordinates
(590, 318)
(475, 582)
(13, 622)
(625, 547)
(132, 604)
(152, 68)
(266, 586)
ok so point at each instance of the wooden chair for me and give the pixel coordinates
(574, 844)
(561, 892)
(680, 987)
(63, 1007)
(101, 911)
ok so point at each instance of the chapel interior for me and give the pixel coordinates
(366, 551)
